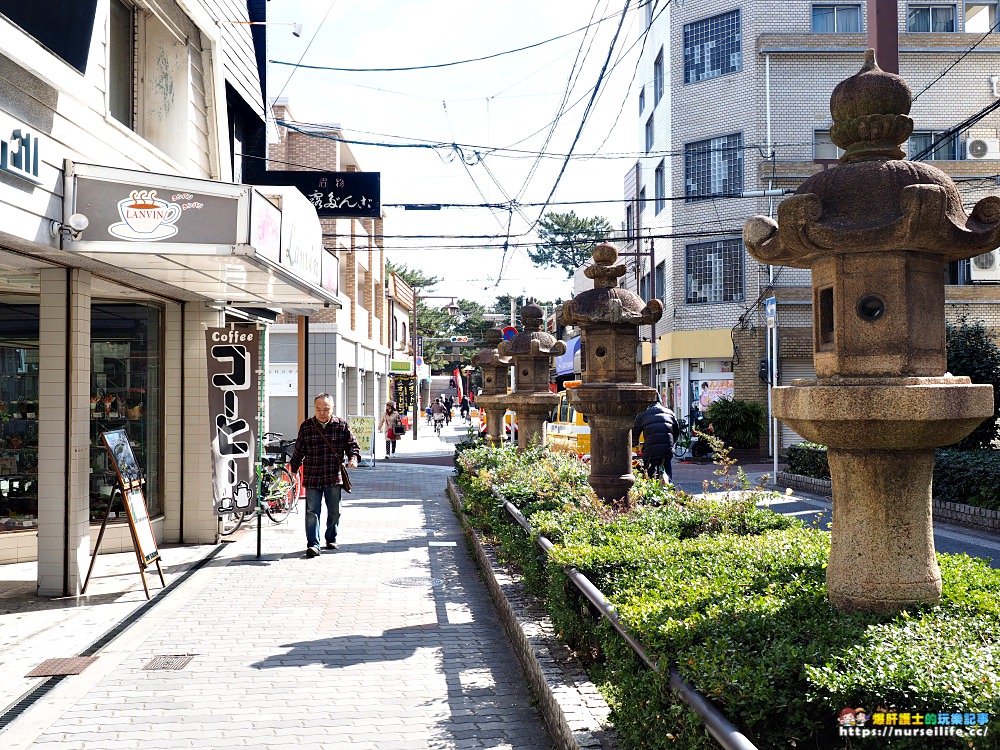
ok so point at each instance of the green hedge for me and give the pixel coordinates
(960, 476)
(735, 597)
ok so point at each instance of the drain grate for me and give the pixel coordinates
(169, 662)
(415, 581)
(59, 667)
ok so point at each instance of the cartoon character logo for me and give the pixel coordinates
(847, 717)
(860, 717)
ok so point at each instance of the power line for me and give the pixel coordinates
(448, 64)
(960, 58)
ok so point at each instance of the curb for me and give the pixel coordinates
(572, 707)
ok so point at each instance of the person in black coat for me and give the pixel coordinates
(659, 429)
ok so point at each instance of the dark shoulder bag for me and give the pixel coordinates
(345, 479)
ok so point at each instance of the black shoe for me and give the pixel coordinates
(312, 551)
(329, 545)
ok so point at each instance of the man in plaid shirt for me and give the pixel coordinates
(320, 448)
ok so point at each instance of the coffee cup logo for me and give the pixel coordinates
(146, 217)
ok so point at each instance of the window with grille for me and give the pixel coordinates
(714, 272)
(712, 47)
(836, 19)
(658, 78)
(945, 148)
(713, 167)
(824, 148)
(981, 17)
(642, 99)
(649, 134)
(660, 186)
(936, 18)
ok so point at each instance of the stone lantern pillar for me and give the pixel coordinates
(610, 395)
(496, 379)
(877, 232)
(531, 351)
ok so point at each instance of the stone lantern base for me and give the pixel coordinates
(532, 410)
(611, 410)
(881, 434)
(495, 407)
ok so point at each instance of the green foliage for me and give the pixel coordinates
(972, 351)
(968, 476)
(567, 240)
(808, 460)
(734, 596)
(737, 423)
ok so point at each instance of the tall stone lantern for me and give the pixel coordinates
(496, 378)
(610, 395)
(531, 351)
(877, 232)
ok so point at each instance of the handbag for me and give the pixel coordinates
(345, 478)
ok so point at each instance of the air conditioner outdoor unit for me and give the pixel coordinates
(982, 148)
(985, 267)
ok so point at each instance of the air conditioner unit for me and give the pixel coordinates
(982, 148)
(985, 267)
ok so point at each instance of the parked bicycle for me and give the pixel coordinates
(279, 487)
(688, 441)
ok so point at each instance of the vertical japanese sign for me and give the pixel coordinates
(233, 374)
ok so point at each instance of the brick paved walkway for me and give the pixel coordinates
(389, 642)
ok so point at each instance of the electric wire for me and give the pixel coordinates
(961, 57)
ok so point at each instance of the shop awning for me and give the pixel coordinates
(565, 362)
(227, 243)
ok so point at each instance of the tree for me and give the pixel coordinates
(567, 240)
(416, 278)
(973, 352)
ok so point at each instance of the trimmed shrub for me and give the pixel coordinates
(737, 423)
(808, 460)
(968, 476)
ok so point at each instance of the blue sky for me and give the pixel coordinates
(508, 101)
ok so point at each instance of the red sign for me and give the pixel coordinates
(509, 332)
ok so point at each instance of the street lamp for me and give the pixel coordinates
(452, 311)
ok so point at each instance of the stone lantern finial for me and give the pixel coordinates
(604, 272)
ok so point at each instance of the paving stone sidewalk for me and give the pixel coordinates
(390, 641)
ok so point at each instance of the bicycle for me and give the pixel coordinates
(688, 441)
(438, 424)
(279, 488)
(683, 442)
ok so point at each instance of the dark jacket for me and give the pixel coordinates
(659, 429)
(313, 452)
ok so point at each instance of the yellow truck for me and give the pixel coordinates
(567, 430)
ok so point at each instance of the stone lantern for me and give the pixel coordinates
(496, 378)
(531, 351)
(610, 395)
(877, 232)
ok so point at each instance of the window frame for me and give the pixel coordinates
(837, 7)
(693, 51)
(955, 143)
(642, 99)
(734, 173)
(122, 65)
(658, 78)
(660, 186)
(911, 8)
(817, 142)
(733, 278)
(993, 8)
(650, 136)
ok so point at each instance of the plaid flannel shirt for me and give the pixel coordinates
(321, 466)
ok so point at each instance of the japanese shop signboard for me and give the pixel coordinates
(233, 391)
(342, 195)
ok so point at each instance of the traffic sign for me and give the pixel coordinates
(770, 311)
(509, 332)
(459, 339)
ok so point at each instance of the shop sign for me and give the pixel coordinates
(331, 272)
(19, 155)
(283, 379)
(707, 392)
(147, 212)
(233, 355)
(342, 195)
(402, 366)
(265, 227)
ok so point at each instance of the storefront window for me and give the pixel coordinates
(126, 394)
(18, 416)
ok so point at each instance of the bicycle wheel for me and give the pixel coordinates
(681, 445)
(282, 494)
(230, 522)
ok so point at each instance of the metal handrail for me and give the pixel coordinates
(724, 732)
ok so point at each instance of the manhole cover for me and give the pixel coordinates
(415, 581)
(58, 667)
(169, 662)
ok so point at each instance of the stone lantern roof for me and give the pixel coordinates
(607, 302)
(532, 341)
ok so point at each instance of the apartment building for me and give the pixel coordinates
(734, 100)
(349, 345)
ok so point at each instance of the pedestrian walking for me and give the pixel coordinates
(659, 429)
(323, 443)
(391, 423)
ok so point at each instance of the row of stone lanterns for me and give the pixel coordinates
(610, 396)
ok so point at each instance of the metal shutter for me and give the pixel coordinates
(791, 369)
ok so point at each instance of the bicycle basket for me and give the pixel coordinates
(274, 449)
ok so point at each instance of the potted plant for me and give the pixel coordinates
(134, 399)
(737, 423)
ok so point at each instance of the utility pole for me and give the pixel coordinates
(883, 34)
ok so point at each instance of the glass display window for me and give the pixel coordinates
(126, 393)
(18, 416)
